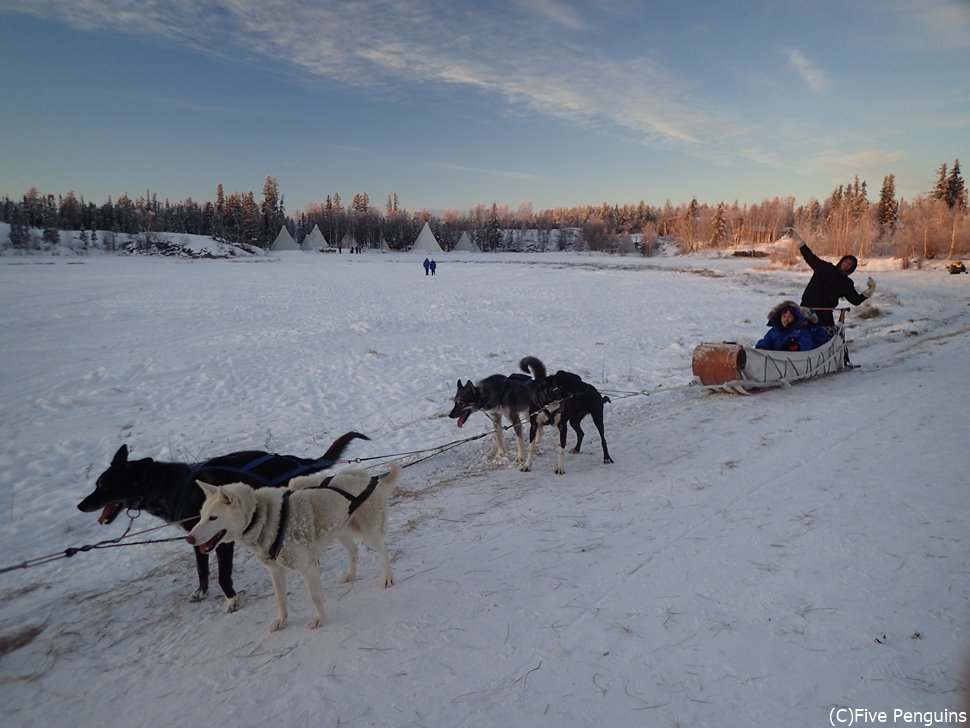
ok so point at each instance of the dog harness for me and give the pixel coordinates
(355, 503)
(251, 477)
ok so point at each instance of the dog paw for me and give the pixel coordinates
(198, 595)
(525, 468)
(348, 578)
(277, 625)
(389, 582)
(233, 603)
(607, 460)
(559, 471)
(313, 623)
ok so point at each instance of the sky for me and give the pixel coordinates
(762, 560)
(451, 104)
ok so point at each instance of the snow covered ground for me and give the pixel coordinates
(788, 558)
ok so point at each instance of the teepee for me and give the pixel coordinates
(465, 243)
(314, 241)
(348, 241)
(284, 241)
(426, 242)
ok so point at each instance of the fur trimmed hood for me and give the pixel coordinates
(802, 315)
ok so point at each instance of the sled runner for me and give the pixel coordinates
(732, 367)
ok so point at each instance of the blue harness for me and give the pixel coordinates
(247, 473)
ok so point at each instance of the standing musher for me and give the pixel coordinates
(829, 283)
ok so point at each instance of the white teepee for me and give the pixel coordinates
(465, 243)
(284, 241)
(314, 241)
(348, 241)
(426, 242)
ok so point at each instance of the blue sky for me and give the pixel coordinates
(451, 104)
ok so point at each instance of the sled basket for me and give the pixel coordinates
(731, 367)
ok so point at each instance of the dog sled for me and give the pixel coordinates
(732, 367)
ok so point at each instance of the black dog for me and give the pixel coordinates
(561, 398)
(497, 396)
(168, 491)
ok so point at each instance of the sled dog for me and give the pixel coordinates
(288, 528)
(497, 396)
(167, 490)
(561, 398)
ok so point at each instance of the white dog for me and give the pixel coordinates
(287, 528)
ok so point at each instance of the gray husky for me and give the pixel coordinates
(288, 528)
(497, 396)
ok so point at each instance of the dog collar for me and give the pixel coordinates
(252, 521)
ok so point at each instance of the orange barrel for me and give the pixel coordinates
(718, 363)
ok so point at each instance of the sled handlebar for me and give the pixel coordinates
(840, 309)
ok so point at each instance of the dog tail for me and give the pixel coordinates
(606, 400)
(388, 481)
(340, 444)
(531, 365)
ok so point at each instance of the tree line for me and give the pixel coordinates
(932, 225)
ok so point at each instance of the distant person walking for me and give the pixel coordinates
(427, 266)
(829, 283)
(434, 266)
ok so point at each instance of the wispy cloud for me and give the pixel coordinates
(556, 12)
(815, 79)
(503, 173)
(864, 160)
(945, 21)
(393, 44)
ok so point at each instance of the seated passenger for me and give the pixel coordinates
(790, 331)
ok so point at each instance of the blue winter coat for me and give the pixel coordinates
(799, 336)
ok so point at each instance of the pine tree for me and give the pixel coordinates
(271, 218)
(691, 222)
(718, 225)
(939, 192)
(956, 191)
(51, 235)
(252, 221)
(887, 208)
(19, 231)
(219, 215)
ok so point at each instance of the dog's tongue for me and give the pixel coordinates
(461, 420)
(212, 542)
(108, 513)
